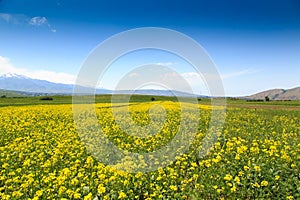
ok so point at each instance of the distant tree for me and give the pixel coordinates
(199, 99)
(46, 98)
(3, 96)
(267, 98)
(152, 99)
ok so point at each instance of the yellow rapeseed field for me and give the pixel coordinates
(42, 156)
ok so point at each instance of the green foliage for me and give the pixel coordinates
(267, 98)
(46, 98)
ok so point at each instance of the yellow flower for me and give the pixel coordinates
(138, 175)
(237, 180)
(257, 168)
(101, 189)
(122, 195)
(241, 173)
(227, 177)
(233, 189)
(173, 187)
(89, 160)
(195, 176)
(256, 185)
(112, 178)
(17, 194)
(26, 163)
(194, 164)
(74, 181)
(61, 190)
(76, 195)
(39, 193)
(264, 183)
(102, 176)
(80, 175)
(66, 172)
(126, 182)
(242, 149)
(88, 197)
(70, 193)
(42, 154)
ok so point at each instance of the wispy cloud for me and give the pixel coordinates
(165, 64)
(239, 73)
(200, 81)
(40, 21)
(16, 19)
(57, 77)
(5, 17)
(6, 66)
(191, 75)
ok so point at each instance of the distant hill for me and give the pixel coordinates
(22, 85)
(278, 94)
(7, 93)
(15, 82)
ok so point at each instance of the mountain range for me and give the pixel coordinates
(23, 85)
(19, 85)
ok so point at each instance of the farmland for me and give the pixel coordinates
(42, 156)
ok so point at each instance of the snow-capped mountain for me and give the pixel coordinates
(16, 82)
(13, 75)
(23, 83)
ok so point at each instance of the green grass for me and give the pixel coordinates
(20, 101)
(36, 100)
(281, 105)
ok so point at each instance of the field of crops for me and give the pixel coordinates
(42, 156)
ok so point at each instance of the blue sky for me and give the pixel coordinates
(254, 44)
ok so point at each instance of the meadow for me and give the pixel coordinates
(42, 156)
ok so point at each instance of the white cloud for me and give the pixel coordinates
(200, 77)
(38, 21)
(57, 77)
(7, 67)
(166, 64)
(23, 19)
(41, 21)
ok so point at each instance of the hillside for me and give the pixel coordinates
(278, 94)
(7, 93)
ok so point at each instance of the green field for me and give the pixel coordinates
(36, 100)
